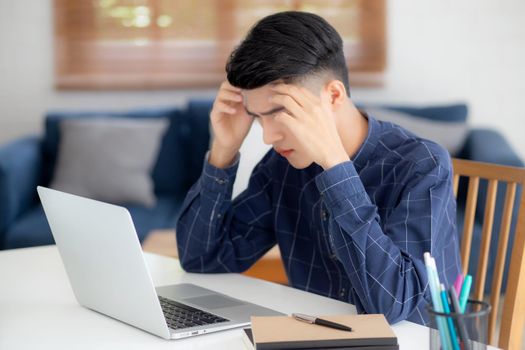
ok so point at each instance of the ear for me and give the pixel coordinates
(334, 92)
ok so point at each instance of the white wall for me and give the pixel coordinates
(467, 50)
(440, 51)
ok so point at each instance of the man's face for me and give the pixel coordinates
(284, 142)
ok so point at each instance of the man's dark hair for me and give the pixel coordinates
(290, 46)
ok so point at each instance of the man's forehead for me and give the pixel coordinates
(256, 101)
(261, 88)
(261, 94)
(258, 95)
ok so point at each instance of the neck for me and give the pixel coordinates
(352, 127)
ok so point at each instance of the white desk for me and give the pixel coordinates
(38, 309)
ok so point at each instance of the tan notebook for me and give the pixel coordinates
(285, 332)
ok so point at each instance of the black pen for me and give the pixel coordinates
(463, 334)
(320, 322)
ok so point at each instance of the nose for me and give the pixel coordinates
(272, 131)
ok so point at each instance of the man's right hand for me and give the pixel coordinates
(230, 124)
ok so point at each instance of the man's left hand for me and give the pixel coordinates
(312, 122)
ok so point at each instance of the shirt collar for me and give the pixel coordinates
(369, 144)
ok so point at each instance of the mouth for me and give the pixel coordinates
(284, 152)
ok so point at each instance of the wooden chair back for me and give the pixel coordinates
(513, 317)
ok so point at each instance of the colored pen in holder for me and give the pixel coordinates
(469, 327)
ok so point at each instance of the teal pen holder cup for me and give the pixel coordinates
(470, 327)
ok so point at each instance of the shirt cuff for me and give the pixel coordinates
(219, 179)
(338, 183)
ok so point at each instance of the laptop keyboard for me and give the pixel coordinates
(183, 316)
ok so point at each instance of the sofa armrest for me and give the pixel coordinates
(198, 142)
(489, 146)
(20, 165)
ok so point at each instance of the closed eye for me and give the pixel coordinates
(270, 112)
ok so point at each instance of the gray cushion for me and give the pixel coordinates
(109, 159)
(450, 134)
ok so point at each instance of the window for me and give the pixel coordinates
(147, 44)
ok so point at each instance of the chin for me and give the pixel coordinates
(300, 164)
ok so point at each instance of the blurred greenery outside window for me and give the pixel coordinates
(162, 44)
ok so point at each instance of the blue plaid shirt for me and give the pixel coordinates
(355, 232)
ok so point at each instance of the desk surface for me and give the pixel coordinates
(38, 308)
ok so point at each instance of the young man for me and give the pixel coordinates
(352, 202)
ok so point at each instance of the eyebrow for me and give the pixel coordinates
(272, 111)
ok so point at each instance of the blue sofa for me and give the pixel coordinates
(30, 161)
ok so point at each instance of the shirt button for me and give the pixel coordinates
(324, 215)
(219, 216)
(342, 293)
(220, 181)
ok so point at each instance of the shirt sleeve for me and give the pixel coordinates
(215, 234)
(384, 260)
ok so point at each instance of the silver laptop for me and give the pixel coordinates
(106, 268)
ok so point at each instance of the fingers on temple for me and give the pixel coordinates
(291, 106)
(287, 120)
(297, 93)
(230, 96)
(226, 85)
(224, 107)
